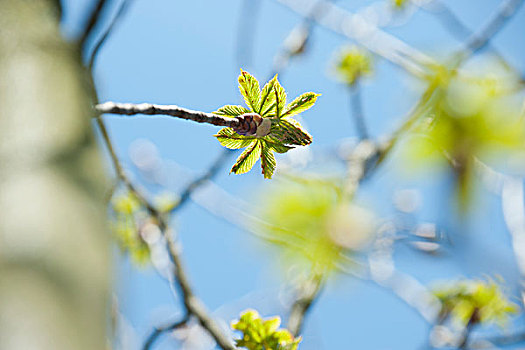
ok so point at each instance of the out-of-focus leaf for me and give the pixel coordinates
(474, 301)
(352, 64)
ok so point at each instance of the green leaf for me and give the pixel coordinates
(249, 87)
(267, 162)
(230, 139)
(247, 159)
(290, 132)
(231, 111)
(267, 100)
(280, 98)
(276, 145)
(300, 104)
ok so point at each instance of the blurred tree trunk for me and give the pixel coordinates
(54, 247)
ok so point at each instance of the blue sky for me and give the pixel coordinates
(183, 52)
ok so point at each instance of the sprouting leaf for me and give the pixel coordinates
(247, 159)
(231, 111)
(352, 64)
(249, 87)
(399, 3)
(290, 132)
(267, 162)
(300, 104)
(280, 99)
(230, 139)
(272, 129)
(267, 100)
(259, 334)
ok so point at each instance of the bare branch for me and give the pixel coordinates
(308, 295)
(92, 21)
(162, 329)
(479, 40)
(194, 306)
(356, 27)
(170, 110)
(120, 14)
(357, 110)
(199, 181)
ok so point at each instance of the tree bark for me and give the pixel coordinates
(54, 247)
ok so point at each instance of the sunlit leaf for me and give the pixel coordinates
(230, 139)
(267, 162)
(231, 111)
(249, 87)
(280, 98)
(247, 159)
(267, 100)
(300, 104)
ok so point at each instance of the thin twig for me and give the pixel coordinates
(124, 5)
(480, 39)
(92, 21)
(194, 306)
(170, 110)
(199, 181)
(162, 329)
(356, 27)
(357, 110)
(309, 293)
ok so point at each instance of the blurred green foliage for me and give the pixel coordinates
(259, 334)
(353, 63)
(282, 133)
(468, 117)
(474, 301)
(128, 216)
(399, 3)
(315, 226)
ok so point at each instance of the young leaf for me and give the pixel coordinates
(267, 99)
(300, 104)
(277, 146)
(280, 98)
(290, 132)
(231, 111)
(247, 159)
(230, 139)
(249, 87)
(267, 162)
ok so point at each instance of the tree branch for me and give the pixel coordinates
(357, 110)
(480, 39)
(309, 292)
(192, 304)
(119, 15)
(356, 27)
(162, 329)
(170, 110)
(92, 21)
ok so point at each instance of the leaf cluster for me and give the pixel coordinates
(474, 301)
(468, 117)
(269, 103)
(259, 334)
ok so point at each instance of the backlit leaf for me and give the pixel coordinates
(230, 139)
(231, 111)
(247, 159)
(249, 87)
(300, 104)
